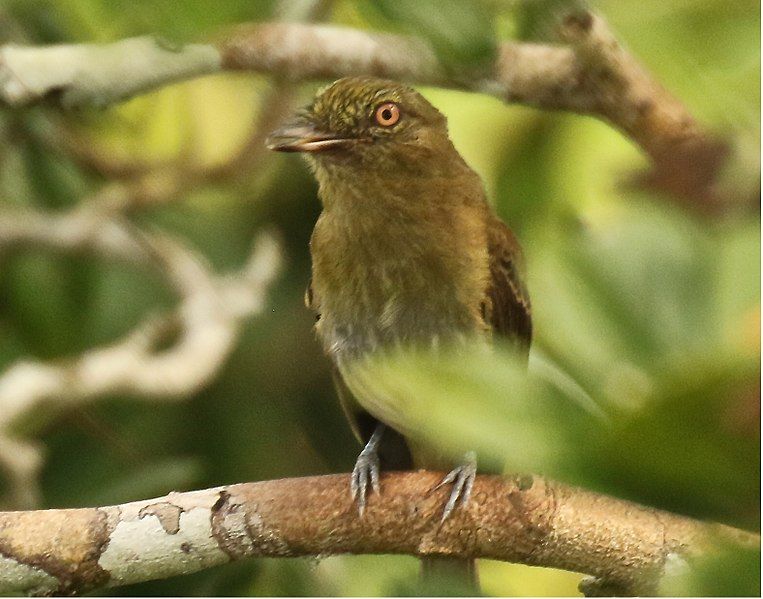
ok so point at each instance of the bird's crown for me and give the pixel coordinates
(367, 106)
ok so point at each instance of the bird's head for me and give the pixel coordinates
(366, 122)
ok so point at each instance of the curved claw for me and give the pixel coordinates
(462, 478)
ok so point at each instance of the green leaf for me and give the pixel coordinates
(537, 19)
(480, 400)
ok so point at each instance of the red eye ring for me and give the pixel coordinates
(387, 114)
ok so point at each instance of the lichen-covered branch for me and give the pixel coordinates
(590, 72)
(203, 328)
(527, 520)
(98, 75)
(206, 320)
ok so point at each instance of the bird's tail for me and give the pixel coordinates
(450, 575)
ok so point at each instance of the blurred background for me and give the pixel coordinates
(646, 306)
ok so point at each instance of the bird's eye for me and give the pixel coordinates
(387, 114)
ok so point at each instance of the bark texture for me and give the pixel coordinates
(527, 520)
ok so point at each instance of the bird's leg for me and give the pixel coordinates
(462, 478)
(366, 469)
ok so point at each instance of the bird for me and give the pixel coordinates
(407, 251)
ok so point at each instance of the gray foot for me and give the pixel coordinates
(366, 471)
(462, 479)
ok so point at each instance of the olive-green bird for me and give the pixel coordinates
(406, 251)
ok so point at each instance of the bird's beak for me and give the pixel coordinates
(302, 136)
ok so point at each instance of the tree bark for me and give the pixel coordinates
(528, 520)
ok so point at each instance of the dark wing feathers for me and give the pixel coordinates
(507, 304)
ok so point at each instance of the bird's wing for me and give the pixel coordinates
(507, 304)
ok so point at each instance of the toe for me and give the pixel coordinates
(467, 491)
(375, 478)
(363, 488)
(463, 481)
(451, 504)
(361, 502)
(354, 484)
(449, 478)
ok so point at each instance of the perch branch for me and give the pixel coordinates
(203, 327)
(527, 520)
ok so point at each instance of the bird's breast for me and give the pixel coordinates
(366, 318)
(383, 286)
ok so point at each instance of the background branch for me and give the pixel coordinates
(201, 331)
(528, 520)
(590, 74)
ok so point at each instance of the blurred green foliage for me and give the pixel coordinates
(460, 31)
(537, 19)
(652, 311)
